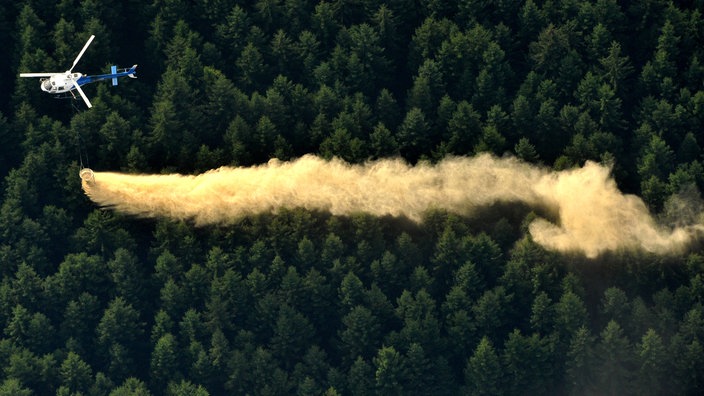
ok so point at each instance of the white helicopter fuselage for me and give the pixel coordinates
(60, 82)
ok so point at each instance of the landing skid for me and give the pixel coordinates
(67, 95)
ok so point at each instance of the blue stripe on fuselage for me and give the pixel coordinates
(91, 79)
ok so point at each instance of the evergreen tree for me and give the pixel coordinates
(413, 134)
(390, 372)
(570, 315)
(164, 362)
(360, 378)
(420, 324)
(127, 276)
(33, 331)
(185, 388)
(75, 373)
(483, 373)
(131, 387)
(615, 360)
(251, 67)
(526, 364)
(292, 335)
(651, 358)
(580, 362)
(360, 334)
(118, 335)
(492, 313)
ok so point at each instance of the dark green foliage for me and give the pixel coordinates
(483, 374)
(302, 302)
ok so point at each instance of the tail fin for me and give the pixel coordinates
(132, 72)
(113, 70)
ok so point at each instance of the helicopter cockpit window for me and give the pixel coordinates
(47, 85)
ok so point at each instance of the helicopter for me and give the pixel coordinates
(68, 81)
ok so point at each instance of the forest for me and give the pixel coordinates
(93, 302)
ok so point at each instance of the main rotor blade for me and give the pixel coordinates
(82, 51)
(36, 74)
(83, 95)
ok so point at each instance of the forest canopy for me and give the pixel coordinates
(303, 302)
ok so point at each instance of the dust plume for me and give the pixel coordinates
(594, 216)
